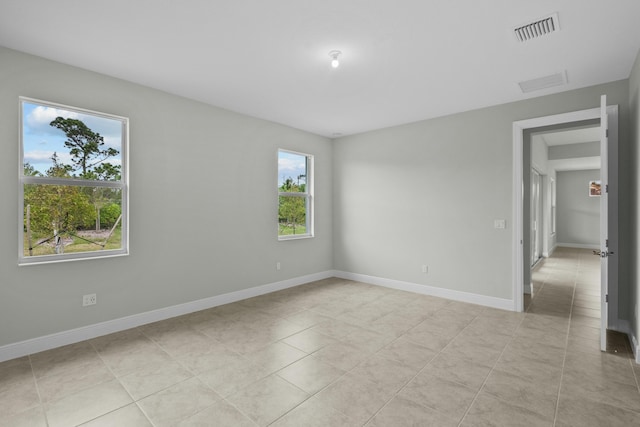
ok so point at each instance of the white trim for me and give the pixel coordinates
(47, 342)
(518, 141)
(308, 196)
(635, 346)
(122, 184)
(527, 288)
(517, 249)
(503, 304)
(579, 246)
(625, 327)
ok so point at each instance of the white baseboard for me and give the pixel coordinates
(504, 304)
(625, 327)
(47, 342)
(579, 246)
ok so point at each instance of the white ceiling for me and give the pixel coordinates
(571, 136)
(566, 137)
(575, 164)
(403, 60)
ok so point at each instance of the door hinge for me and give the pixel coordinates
(606, 298)
(607, 243)
(606, 188)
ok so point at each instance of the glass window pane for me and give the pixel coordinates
(292, 215)
(70, 219)
(292, 172)
(63, 143)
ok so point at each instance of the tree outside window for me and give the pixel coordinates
(294, 195)
(73, 188)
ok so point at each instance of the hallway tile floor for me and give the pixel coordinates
(343, 353)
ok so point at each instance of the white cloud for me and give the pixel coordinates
(44, 157)
(291, 166)
(109, 129)
(39, 120)
(113, 142)
(38, 156)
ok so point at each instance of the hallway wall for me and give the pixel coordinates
(578, 214)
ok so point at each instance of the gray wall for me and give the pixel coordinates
(540, 161)
(632, 250)
(578, 215)
(539, 156)
(422, 193)
(428, 193)
(569, 151)
(203, 205)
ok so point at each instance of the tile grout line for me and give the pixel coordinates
(35, 382)
(501, 354)
(134, 401)
(421, 370)
(310, 395)
(401, 388)
(395, 394)
(566, 350)
(490, 372)
(272, 373)
(346, 372)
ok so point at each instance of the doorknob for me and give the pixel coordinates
(603, 254)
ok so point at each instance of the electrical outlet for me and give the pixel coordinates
(278, 265)
(425, 269)
(90, 299)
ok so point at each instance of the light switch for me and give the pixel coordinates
(499, 223)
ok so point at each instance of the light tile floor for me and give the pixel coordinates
(342, 353)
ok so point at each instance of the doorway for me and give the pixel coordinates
(522, 245)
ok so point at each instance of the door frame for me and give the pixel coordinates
(539, 215)
(519, 127)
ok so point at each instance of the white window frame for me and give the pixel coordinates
(123, 185)
(308, 195)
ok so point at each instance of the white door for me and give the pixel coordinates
(604, 229)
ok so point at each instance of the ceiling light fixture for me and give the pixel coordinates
(334, 54)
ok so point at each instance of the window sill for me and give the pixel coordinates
(295, 237)
(40, 260)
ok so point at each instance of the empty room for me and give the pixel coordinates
(338, 213)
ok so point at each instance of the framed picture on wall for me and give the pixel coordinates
(594, 189)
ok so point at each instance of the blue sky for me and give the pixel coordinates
(290, 165)
(41, 140)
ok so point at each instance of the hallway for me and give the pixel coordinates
(567, 289)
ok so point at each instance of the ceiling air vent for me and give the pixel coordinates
(538, 28)
(545, 82)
